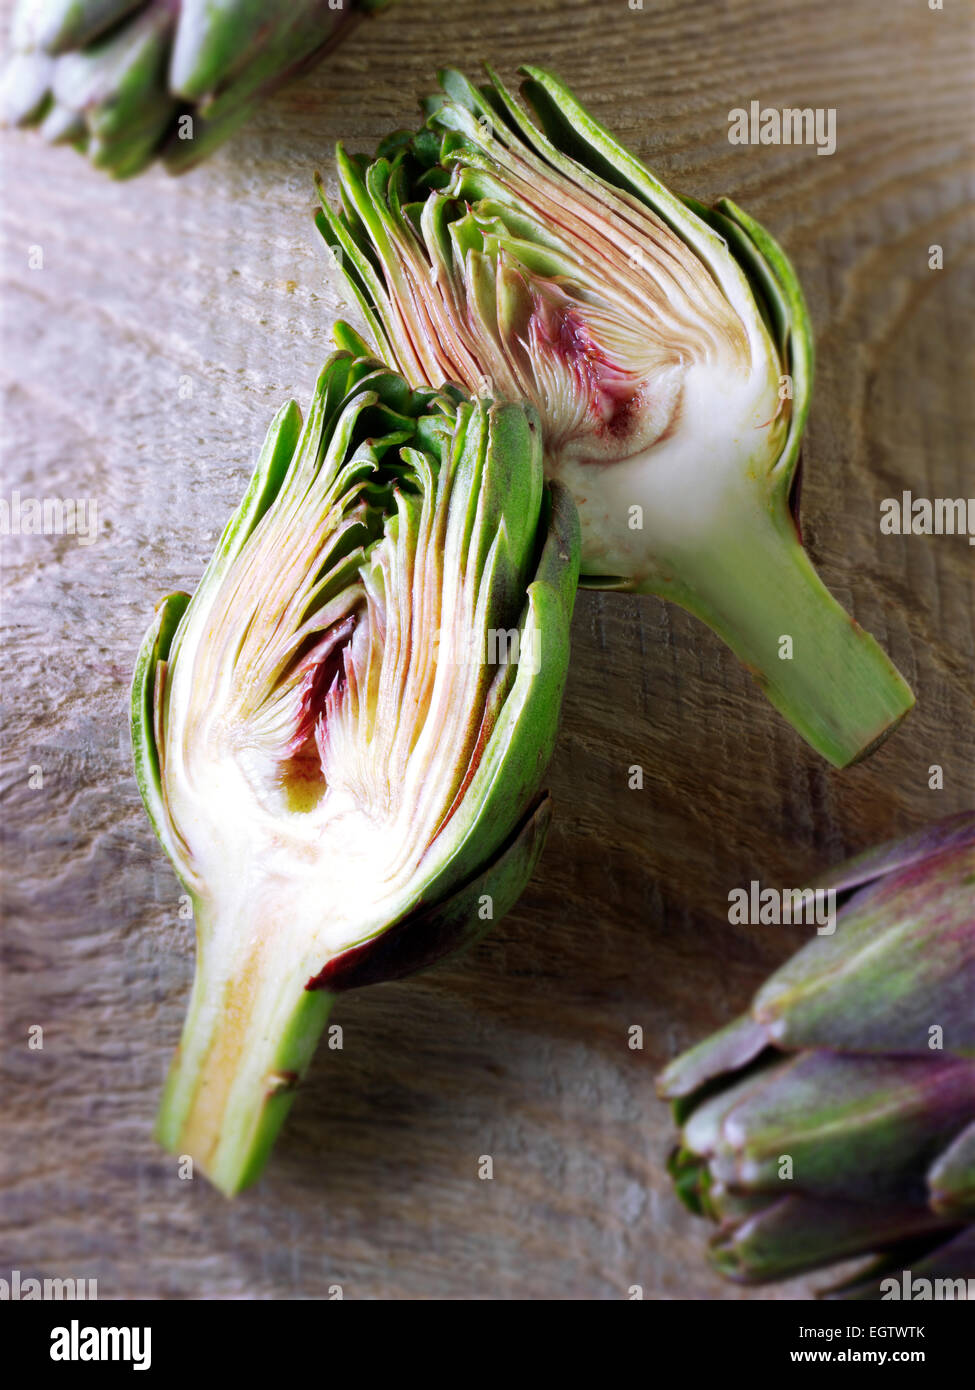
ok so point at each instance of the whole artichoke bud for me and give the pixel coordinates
(127, 80)
(666, 347)
(341, 737)
(837, 1117)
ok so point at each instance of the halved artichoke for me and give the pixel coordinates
(666, 346)
(341, 737)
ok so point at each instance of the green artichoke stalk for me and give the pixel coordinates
(836, 1118)
(127, 80)
(665, 345)
(341, 737)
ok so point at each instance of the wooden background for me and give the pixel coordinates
(141, 366)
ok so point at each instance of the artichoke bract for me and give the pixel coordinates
(127, 80)
(836, 1118)
(666, 346)
(341, 737)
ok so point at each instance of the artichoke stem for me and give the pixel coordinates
(753, 584)
(250, 1033)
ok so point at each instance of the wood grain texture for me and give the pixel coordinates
(141, 366)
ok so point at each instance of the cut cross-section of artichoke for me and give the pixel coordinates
(340, 739)
(666, 347)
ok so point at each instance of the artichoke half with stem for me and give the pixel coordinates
(127, 80)
(666, 346)
(836, 1118)
(341, 737)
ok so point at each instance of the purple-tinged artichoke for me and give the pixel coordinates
(836, 1118)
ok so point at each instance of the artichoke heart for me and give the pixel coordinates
(340, 739)
(665, 345)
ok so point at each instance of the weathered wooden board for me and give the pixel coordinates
(142, 363)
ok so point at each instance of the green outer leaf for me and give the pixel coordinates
(798, 1234)
(120, 74)
(730, 1049)
(522, 741)
(952, 1177)
(949, 833)
(349, 235)
(951, 1256)
(901, 960)
(346, 339)
(155, 648)
(58, 25)
(237, 48)
(215, 38)
(773, 275)
(62, 126)
(855, 1128)
(25, 88)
